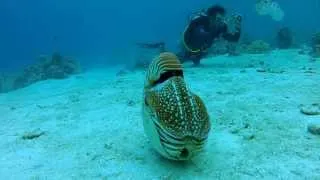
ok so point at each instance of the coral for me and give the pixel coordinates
(32, 134)
(256, 47)
(311, 109)
(284, 38)
(271, 8)
(6, 81)
(56, 67)
(315, 43)
(219, 47)
(56, 59)
(314, 129)
(305, 49)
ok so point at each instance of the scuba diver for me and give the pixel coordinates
(201, 32)
(203, 29)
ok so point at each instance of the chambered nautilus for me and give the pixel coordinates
(175, 119)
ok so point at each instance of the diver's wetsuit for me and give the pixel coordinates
(199, 36)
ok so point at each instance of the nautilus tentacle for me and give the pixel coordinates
(175, 119)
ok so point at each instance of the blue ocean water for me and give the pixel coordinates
(103, 28)
(79, 101)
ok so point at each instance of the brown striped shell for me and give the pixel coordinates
(179, 115)
(164, 62)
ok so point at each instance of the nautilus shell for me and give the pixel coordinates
(175, 119)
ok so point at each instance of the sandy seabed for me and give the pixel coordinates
(89, 126)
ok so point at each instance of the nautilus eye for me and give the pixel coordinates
(175, 119)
